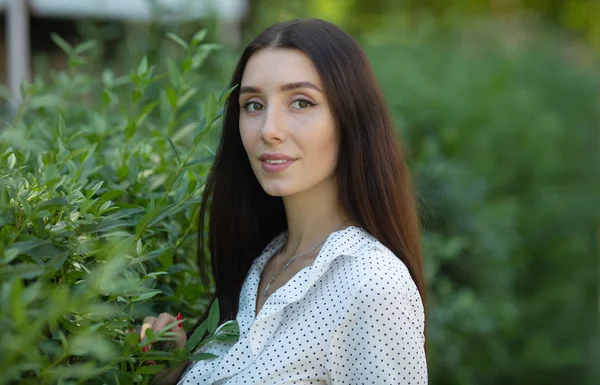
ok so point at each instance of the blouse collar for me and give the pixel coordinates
(348, 241)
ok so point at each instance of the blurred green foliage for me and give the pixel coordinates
(580, 18)
(501, 116)
(100, 183)
(505, 148)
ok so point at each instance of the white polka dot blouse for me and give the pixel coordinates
(353, 317)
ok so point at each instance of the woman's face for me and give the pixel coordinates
(283, 110)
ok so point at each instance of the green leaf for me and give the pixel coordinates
(138, 247)
(210, 107)
(22, 247)
(225, 94)
(136, 95)
(111, 195)
(57, 261)
(151, 255)
(206, 159)
(166, 259)
(94, 189)
(174, 74)
(204, 129)
(230, 327)
(150, 369)
(153, 216)
(191, 184)
(108, 96)
(147, 110)
(62, 43)
(123, 172)
(75, 153)
(150, 336)
(25, 271)
(85, 46)
(95, 346)
(196, 337)
(131, 340)
(130, 129)
(202, 356)
(17, 309)
(5, 219)
(187, 96)
(51, 204)
(143, 67)
(213, 317)
(227, 337)
(184, 132)
(62, 127)
(145, 296)
(199, 58)
(174, 149)
(178, 40)
(172, 97)
(11, 161)
(170, 180)
(199, 37)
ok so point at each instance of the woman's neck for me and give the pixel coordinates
(312, 216)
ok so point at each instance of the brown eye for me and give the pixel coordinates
(253, 106)
(301, 104)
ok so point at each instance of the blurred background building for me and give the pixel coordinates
(28, 24)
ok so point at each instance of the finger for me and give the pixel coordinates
(163, 320)
(147, 324)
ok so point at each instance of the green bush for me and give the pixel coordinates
(503, 140)
(99, 193)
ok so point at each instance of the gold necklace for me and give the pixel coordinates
(291, 260)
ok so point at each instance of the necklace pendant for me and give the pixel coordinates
(267, 289)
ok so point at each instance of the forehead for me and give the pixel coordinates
(279, 66)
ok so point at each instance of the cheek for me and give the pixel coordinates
(329, 138)
(323, 143)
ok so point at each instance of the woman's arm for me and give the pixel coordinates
(171, 378)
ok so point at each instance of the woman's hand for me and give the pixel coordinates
(167, 376)
(157, 324)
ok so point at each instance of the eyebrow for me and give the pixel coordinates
(284, 87)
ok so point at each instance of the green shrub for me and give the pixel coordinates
(503, 141)
(99, 193)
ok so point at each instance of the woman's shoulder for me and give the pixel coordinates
(376, 265)
(375, 258)
(386, 279)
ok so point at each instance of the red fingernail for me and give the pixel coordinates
(179, 318)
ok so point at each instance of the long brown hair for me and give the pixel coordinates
(374, 182)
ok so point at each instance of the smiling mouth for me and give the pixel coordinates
(276, 165)
(275, 161)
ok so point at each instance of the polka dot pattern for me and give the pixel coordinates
(353, 317)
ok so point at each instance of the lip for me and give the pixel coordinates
(275, 156)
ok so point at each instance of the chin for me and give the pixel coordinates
(277, 191)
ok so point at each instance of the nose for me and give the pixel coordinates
(273, 128)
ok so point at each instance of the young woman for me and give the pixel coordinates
(313, 233)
